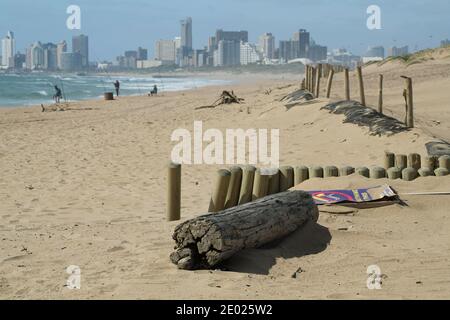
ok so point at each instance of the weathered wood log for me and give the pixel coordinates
(206, 241)
(347, 84)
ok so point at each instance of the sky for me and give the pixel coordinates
(114, 26)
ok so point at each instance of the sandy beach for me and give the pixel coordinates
(87, 187)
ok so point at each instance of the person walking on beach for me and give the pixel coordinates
(117, 86)
(58, 94)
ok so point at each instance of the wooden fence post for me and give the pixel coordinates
(330, 81)
(380, 95)
(319, 76)
(347, 84)
(220, 191)
(361, 85)
(174, 192)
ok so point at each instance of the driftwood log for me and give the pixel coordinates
(204, 242)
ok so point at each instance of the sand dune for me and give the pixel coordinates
(87, 188)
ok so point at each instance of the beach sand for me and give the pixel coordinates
(87, 187)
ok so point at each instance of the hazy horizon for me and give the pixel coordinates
(115, 26)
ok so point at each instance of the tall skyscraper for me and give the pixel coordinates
(8, 50)
(35, 56)
(50, 56)
(61, 48)
(237, 36)
(186, 36)
(228, 53)
(302, 37)
(80, 44)
(142, 54)
(267, 45)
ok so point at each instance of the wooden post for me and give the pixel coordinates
(377, 173)
(234, 188)
(220, 192)
(274, 182)
(380, 94)
(174, 192)
(409, 102)
(286, 178)
(315, 172)
(301, 174)
(319, 76)
(313, 81)
(347, 84)
(330, 82)
(414, 161)
(401, 161)
(389, 160)
(308, 78)
(361, 85)
(248, 178)
(261, 185)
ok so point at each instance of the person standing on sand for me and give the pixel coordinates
(58, 94)
(117, 86)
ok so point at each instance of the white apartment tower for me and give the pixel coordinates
(267, 45)
(8, 50)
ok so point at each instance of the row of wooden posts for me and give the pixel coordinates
(241, 185)
(314, 74)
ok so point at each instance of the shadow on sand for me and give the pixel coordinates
(311, 239)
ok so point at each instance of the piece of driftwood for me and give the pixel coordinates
(227, 97)
(206, 241)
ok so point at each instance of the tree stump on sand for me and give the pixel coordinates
(204, 242)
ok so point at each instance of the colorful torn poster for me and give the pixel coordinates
(354, 196)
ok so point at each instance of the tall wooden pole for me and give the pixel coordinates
(313, 81)
(174, 192)
(380, 94)
(330, 81)
(361, 85)
(410, 114)
(319, 76)
(347, 84)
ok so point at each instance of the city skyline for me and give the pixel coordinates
(149, 24)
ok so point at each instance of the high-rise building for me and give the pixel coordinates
(267, 45)
(302, 37)
(317, 53)
(249, 54)
(50, 56)
(288, 50)
(80, 44)
(377, 52)
(19, 60)
(71, 61)
(237, 36)
(186, 39)
(395, 52)
(142, 54)
(228, 53)
(61, 48)
(165, 50)
(35, 56)
(8, 50)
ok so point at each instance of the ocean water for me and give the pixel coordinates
(37, 88)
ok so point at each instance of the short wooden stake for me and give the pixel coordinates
(286, 178)
(441, 172)
(174, 192)
(414, 161)
(444, 162)
(426, 172)
(301, 174)
(261, 185)
(389, 160)
(409, 174)
(361, 85)
(220, 191)
(315, 172)
(274, 182)
(330, 172)
(377, 173)
(401, 161)
(394, 173)
(346, 171)
(248, 178)
(409, 102)
(363, 171)
(313, 81)
(234, 189)
(431, 162)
